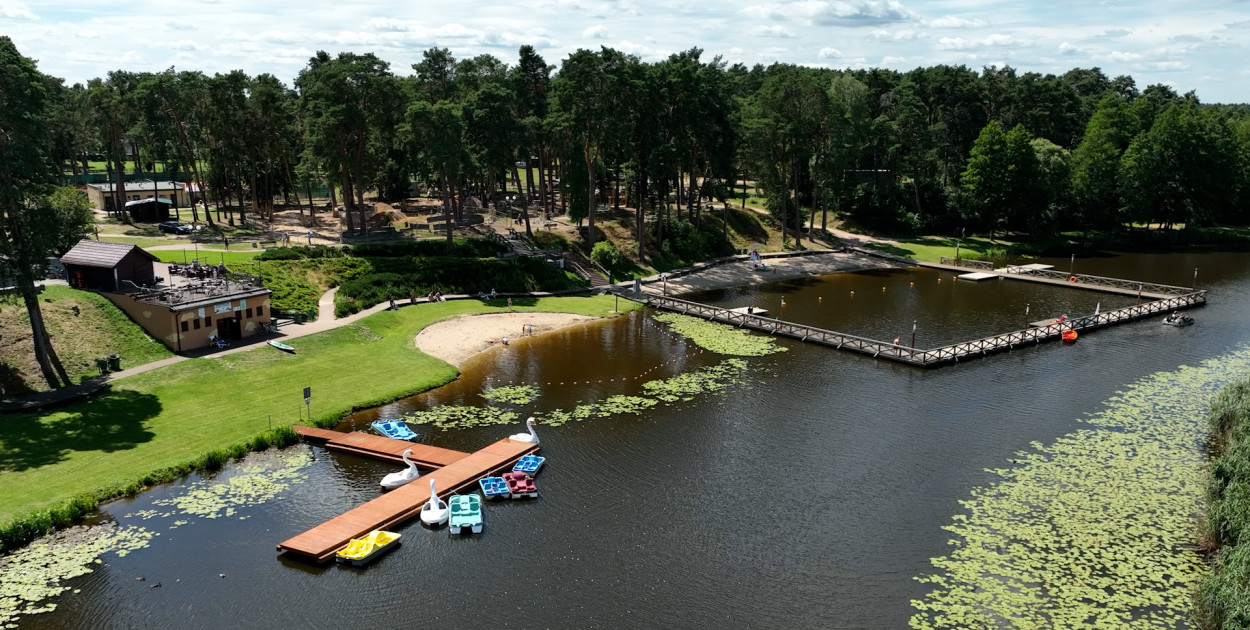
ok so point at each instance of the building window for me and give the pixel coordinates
(249, 313)
(260, 311)
(185, 327)
(208, 321)
(197, 324)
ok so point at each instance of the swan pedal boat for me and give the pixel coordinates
(362, 551)
(529, 464)
(1178, 319)
(394, 429)
(281, 346)
(466, 513)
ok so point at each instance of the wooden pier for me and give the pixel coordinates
(379, 447)
(925, 358)
(404, 503)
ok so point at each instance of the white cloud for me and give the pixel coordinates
(597, 31)
(989, 41)
(832, 12)
(952, 21)
(1117, 55)
(388, 25)
(829, 53)
(16, 11)
(86, 33)
(896, 36)
(891, 60)
(1068, 49)
(184, 44)
(773, 30)
(1168, 65)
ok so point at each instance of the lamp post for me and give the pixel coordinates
(913, 335)
(664, 277)
(1026, 315)
(1192, 286)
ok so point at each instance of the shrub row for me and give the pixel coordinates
(301, 252)
(470, 247)
(1222, 598)
(398, 279)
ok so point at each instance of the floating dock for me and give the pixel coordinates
(978, 276)
(398, 506)
(379, 447)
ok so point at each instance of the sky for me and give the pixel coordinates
(1201, 45)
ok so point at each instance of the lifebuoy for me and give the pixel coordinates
(1071, 278)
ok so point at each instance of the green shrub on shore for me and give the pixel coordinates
(1223, 600)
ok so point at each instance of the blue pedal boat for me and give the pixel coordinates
(529, 464)
(494, 487)
(393, 429)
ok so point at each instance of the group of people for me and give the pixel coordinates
(435, 296)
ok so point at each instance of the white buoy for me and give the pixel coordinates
(397, 479)
(531, 437)
(434, 512)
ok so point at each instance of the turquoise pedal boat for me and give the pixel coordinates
(529, 464)
(466, 513)
(394, 429)
(493, 487)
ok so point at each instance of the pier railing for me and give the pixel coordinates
(936, 356)
(984, 265)
(1101, 281)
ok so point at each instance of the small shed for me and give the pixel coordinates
(103, 266)
(150, 210)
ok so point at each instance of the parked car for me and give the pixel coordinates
(174, 227)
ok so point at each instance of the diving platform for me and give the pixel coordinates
(402, 504)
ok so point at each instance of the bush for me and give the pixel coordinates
(606, 255)
(688, 243)
(472, 247)
(1221, 600)
(399, 278)
(301, 252)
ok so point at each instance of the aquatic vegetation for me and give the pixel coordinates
(455, 417)
(679, 388)
(36, 573)
(720, 338)
(512, 394)
(686, 386)
(1095, 530)
(255, 483)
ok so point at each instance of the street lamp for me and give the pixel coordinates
(664, 277)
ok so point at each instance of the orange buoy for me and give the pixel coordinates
(1071, 278)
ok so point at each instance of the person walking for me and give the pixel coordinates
(310, 238)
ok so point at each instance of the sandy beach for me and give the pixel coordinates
(455, 340)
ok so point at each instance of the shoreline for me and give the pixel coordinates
(460, 338)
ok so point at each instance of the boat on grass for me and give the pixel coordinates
(1178, 319)
(362, 551)
(394, 429)
(520, 485)
(466, 513)
(529, 464)
(281, 346)
(493, 487)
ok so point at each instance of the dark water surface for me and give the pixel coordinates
(808, 496)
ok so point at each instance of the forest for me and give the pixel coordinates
(930, 150)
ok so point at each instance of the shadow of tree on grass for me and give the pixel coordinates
(113, 421)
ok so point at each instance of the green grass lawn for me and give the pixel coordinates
(206, 256)
(83, 325)
(933, 248)
(170, 416)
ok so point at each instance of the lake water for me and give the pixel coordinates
(809, 495)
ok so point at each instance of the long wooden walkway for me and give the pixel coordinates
(378, 447)
(924, 358)
(404, 503)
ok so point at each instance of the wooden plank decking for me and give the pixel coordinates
(404, 503)
(379, 447)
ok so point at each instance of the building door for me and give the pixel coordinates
(229, 328)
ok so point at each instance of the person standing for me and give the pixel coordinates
(310, 238)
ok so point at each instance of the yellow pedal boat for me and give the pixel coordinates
(362, 551)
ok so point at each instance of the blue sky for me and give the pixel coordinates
(1199, 46)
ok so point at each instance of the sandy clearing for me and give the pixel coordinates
(455, 340)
